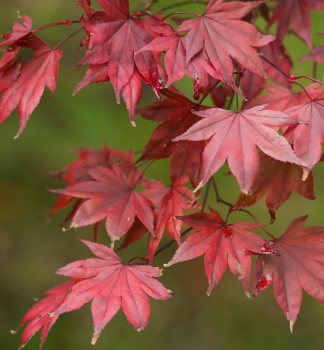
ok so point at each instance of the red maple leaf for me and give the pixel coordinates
(221, 33)
(280, 98)
(222, 244)
(168, 202)
(316, 55)
(234, 137)
(309, 136)
(115, 36)
(19, 31)
(38, 315)
(278, 179)
(296, 13)
(297, 266)
(111, 284)
(35, 75)
(175, 60)
(110, 196)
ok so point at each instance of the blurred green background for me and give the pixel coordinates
(31, 251)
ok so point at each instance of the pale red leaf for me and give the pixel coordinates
(111, 284)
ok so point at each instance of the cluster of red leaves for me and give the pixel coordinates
(270, 145)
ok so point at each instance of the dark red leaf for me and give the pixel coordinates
(279, 180)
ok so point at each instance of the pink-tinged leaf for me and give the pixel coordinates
(298, 265)
(222, 244)
(110, 196)
(281, 99)
(86, 5)
(224, 36)
(296, 13)
(115, 37)
(278, 180)
(175, 60)
(316, 55)
(25, 93)
(19, 31)
(168, 203)
(38, 315)
(308, 136)
(111, 284)
(234, 138)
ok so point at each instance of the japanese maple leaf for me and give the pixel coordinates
(176, 114)
(35, 75)
(222, 244)
(114, 38)
(316, 55)
(222, 34)
(297, 266)
(234, 137)
(278, 179)
(111, 284)
(309, 137)
(168, 202)
(279, 98)
(110, 196)
(175, 60)
(19, 31)
(296, 13)
(38, 315)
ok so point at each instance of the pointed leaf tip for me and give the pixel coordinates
(291, 326)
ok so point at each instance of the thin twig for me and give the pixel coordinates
(257, 221)
(208, 92)
(218, 198)
(69, 37)
(314, 70)
(291, 78)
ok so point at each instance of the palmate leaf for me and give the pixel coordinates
(278, 180)
(298, 265)
(234, 137)
(111, 196)
(224, 36)
(296, 13)
(26, 91)
(115, 37)
(222, 244)
(38, 316)
(308, 137)
(168, 202)
(111, 284)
